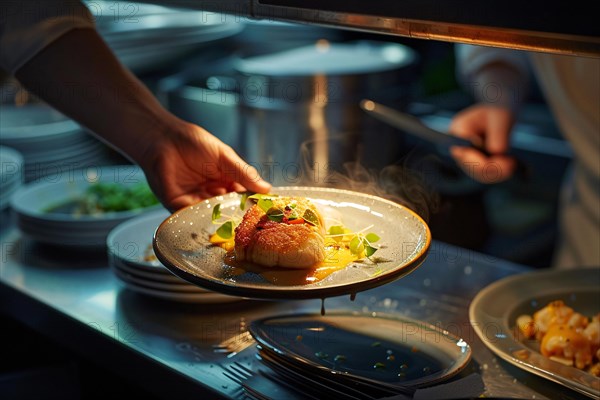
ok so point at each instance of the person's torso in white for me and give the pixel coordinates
(572, 89)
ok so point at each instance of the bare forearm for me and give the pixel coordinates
(79, 75)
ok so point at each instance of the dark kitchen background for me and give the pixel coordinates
(513, 220)
(215, 74)
(208, 74)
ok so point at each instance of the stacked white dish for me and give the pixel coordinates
(49, 142)
(146, 36)
(133, 262)
(34, 205)
(11, 174)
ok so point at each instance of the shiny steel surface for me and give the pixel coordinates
(74, 298)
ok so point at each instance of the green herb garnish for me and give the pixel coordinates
(310, 217)
(337, 232)
(216, 212)
(226, 230)
(264, 201)
(275, 214)
(105, 197)
(363, 243)
(244, 198)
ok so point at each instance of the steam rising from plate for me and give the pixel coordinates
(326, 164)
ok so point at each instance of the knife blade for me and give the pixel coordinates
(414, 126)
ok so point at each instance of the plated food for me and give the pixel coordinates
(565, 335)
(288, 232)
(327, 243)
(279, 233)
(496, 314)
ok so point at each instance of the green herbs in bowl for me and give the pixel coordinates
(101, 198)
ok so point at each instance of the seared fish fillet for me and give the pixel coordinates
(260, 240)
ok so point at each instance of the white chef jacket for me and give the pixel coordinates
(27, 27)
(571, 86)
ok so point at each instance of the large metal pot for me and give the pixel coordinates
(266, 104)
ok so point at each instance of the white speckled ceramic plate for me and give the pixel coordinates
(181, 244)
(493, 313)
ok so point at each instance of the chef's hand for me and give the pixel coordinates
(487, 126)
(182, 162)
(187, 164)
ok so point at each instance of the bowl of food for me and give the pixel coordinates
(80, 207)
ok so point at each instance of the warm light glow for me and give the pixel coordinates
(322, 45)
(368, 105)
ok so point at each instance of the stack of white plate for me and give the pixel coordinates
(146, 36)
(11, 174)
(133, 262)
(50, 143)
(34, 205)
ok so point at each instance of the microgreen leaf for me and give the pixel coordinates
(310, 217)
(372, 238)
(245, 197)
(258, 196)
(292, 215)
(265, 204)
(275, 214)
(226, 230)
(370, 250)
(216, 212)
(337, 231)
(356, 245)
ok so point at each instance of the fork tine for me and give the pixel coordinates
(254, 394)
(243, 368)
(233, 378)
(241, 371)
(239, 374)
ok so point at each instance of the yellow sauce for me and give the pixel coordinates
(226, 244)
(337, 257)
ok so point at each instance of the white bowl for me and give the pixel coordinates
(33, 205)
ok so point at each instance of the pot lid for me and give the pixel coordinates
(324, 57)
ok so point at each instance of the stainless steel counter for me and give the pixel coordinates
(167, 347)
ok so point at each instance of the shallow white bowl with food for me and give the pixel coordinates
(43, 208)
